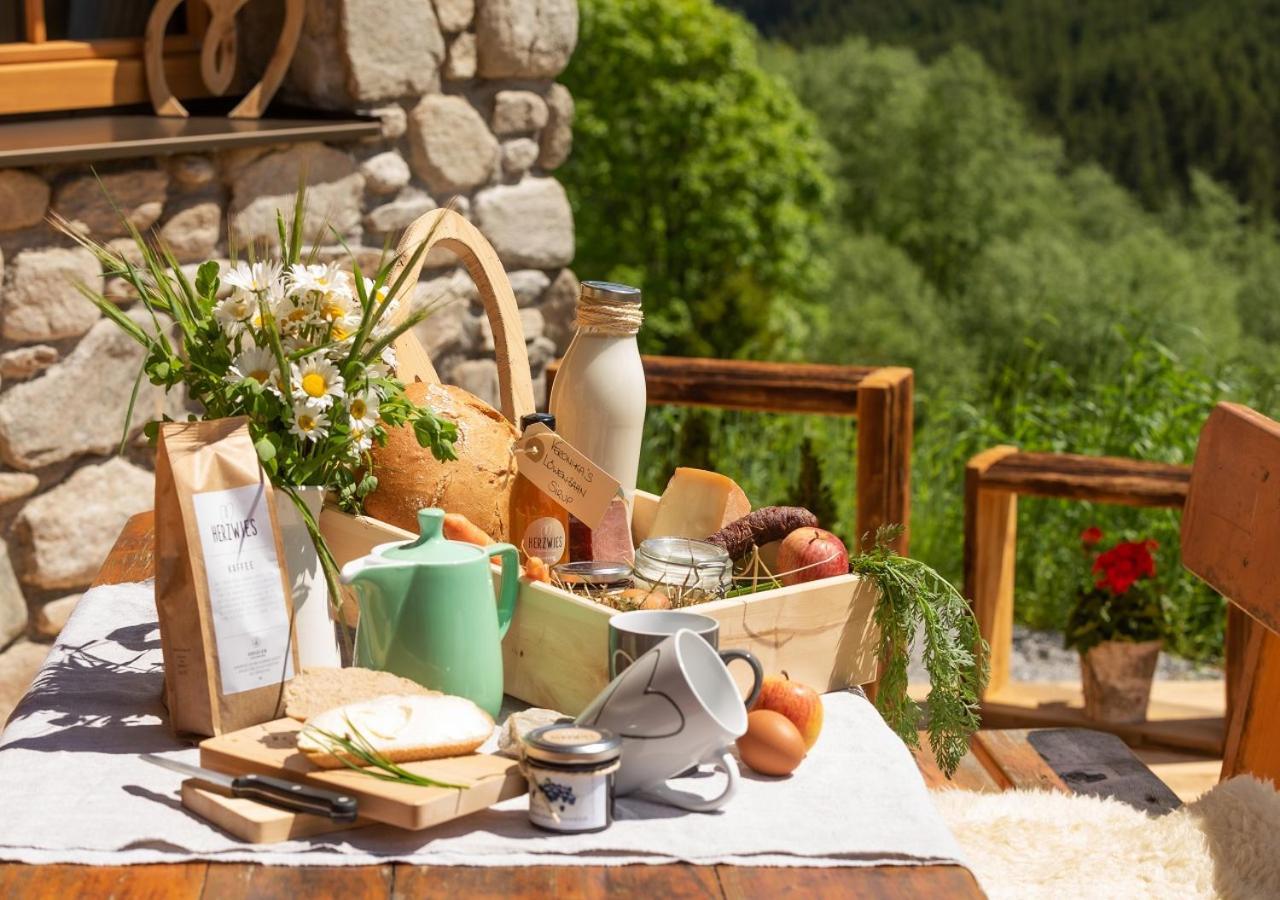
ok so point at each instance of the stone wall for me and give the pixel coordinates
(470, 112)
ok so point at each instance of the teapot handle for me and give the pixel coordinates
(510, 584)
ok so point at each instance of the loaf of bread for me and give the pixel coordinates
(477, 484)
(402, 727)
(319, 688)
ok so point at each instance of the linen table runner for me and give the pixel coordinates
(78, 793)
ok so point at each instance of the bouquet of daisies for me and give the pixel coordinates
(300, 347)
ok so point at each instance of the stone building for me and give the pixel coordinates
(469, 112)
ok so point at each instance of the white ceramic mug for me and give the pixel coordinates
(632, 634)
(675, 707)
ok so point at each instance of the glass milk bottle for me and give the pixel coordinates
(598, 399)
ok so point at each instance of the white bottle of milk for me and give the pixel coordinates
(598, 398)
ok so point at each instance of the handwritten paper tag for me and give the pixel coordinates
(564, 474)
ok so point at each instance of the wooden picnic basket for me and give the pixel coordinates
(554, 655)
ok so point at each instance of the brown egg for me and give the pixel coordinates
(772, 745)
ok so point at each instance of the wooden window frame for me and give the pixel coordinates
(39, 75)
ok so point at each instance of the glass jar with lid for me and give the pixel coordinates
(571, 770)
(597, 580)
(688, 571)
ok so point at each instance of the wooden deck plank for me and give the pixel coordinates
(287, 883)
(1013, 762)
(1101, 479)
(1184, 715)
(675, 881)
(866, 883)
(970, 775)
(56, 882)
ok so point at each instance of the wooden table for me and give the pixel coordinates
(1000, 760)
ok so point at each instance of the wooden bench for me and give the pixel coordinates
(994, 479)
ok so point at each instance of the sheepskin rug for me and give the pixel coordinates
(1029, 844)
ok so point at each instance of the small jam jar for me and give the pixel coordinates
(570, 770)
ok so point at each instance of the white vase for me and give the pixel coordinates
(317, 639)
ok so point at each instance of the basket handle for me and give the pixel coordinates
(446, 228)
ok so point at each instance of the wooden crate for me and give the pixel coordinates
(555, 654)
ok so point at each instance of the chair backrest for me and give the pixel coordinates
(1231, 539)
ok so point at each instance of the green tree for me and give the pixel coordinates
(1149, 89)
(696, 175)
(967, 239)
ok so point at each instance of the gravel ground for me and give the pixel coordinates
(1040, 656)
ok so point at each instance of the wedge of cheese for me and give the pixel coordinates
(697, 504)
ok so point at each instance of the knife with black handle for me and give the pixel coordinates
(275, 792)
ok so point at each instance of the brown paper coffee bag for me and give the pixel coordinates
(222, 592)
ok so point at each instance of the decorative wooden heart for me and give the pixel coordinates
(218, 56)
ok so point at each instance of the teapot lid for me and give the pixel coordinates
(431, 546)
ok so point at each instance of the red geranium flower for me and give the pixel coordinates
(1091, 536)
(1124, 564)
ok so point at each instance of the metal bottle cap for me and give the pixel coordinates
(544, 418)
(566, 742)
(610, 291)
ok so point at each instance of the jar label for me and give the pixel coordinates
(565, 474)
(545, 539)
(568, 801)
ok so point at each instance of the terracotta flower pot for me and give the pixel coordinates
(1117, 680)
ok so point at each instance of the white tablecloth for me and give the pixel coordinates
(77, 792)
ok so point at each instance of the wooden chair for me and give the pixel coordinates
(1231, 539)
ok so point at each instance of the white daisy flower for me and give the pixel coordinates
(345, 328)
(276, 300)
(380, 295)
(363, 408)
(360, 440)
(309, 423)
(319, 279)
(256, 363)
(234, 311)
(317, 381)
(334, 305)
(253, 278)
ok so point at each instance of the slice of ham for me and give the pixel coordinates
(610, 542)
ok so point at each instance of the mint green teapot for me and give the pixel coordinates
(427, 611)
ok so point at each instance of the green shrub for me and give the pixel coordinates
(696, 175)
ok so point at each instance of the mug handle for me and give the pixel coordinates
(723, 760)
(757, 672)
(614, 671)
(510, 584)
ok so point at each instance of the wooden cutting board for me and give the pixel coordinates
(253, 822)
(271, 749)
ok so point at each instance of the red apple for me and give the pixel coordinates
(808, 554)
(798, 702)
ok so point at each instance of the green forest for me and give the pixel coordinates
(1063, 221)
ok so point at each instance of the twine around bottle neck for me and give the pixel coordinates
(600, 316)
